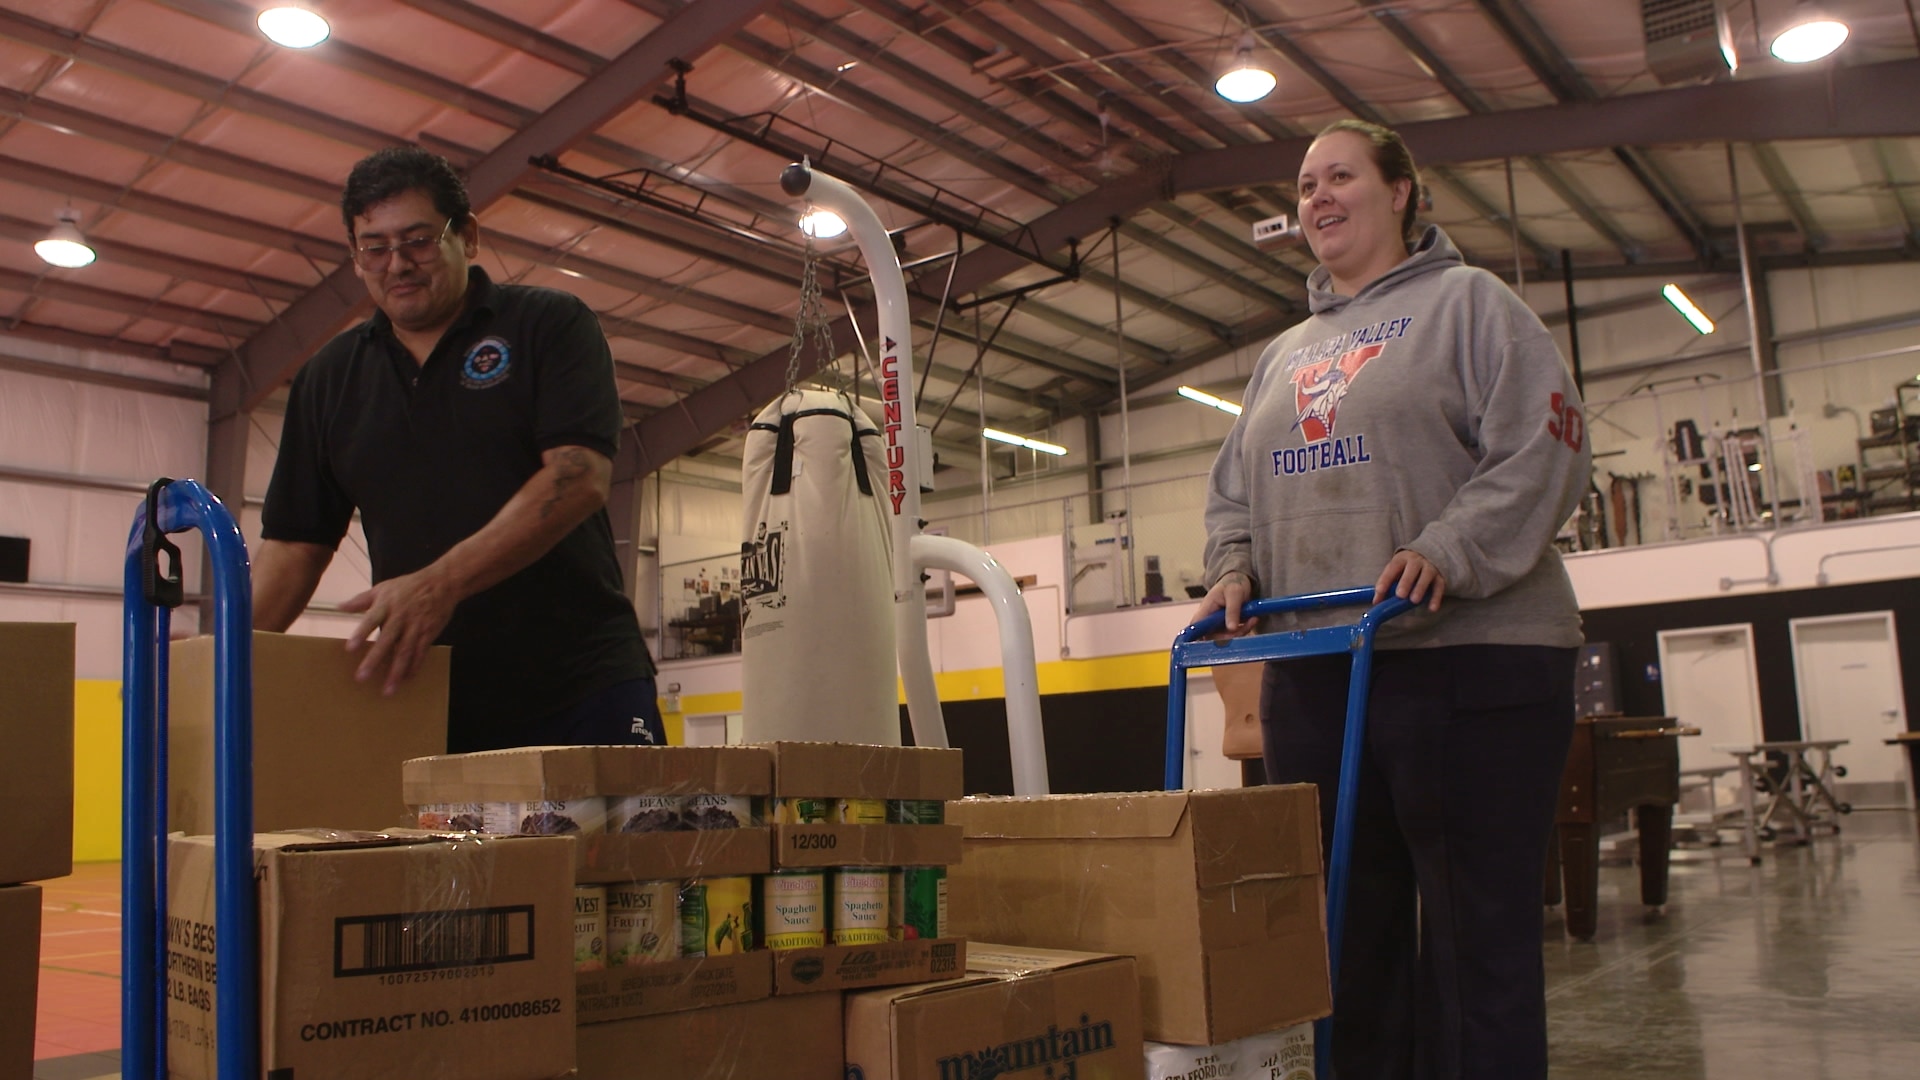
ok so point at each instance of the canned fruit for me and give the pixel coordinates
(792, 811)
(643, 923)
(589, 928)
(716, 917)
(860, 811)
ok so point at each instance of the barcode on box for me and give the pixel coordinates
(431, 940)
(946, 958)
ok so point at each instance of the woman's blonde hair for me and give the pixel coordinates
(1394, 160)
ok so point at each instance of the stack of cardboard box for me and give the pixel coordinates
(36, 803)
(722, 831)
(1218, 895)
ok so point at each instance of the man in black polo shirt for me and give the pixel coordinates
(473, 426)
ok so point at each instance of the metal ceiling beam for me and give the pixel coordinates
(272, 356)
(1781, 181)
(155, 144)
(1538, 51)
(239, 18)
(48, 287)
(782, 267)
(1130, 75)
(922, 82)
(1869, 101)
(162, 262)
(173, 211)
(932, 134)
(73, 373)
(1353, 103)
(560, 54)
(1387, 15)
(149, 69)
(173, 352)
(897, 193)
(1896, 195)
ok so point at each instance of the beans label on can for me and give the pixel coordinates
(717, 811)
(548, 817)
(646, 813)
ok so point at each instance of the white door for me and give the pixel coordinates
(1847, 669)
(1708, 680)
(712, 729)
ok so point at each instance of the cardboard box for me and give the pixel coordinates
(1217, 892)
(854, 771)
(810, 846)
(575, 772)
(36, 769)
(1019, 1012)
(326, 749)
(19, 977)
(620, 993)
(858, 967)
(387, 957)
(794, 1038)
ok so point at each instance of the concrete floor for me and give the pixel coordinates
(1805, 967)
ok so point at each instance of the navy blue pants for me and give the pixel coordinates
(1441, 975)
(624, 713)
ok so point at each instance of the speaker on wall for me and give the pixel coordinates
(13, 558)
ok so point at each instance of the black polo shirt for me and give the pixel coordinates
(430, 453)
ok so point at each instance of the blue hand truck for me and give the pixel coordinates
(1194, 647)
(152, 592)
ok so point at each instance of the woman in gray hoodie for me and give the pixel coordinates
(1419, 431)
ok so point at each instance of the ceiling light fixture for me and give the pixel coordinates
(822, 224)
(1205, 398)
(1245, 81)
(1022, 441)
(1684, 305)
(65, 247)
(1812, 35)
(293, 27)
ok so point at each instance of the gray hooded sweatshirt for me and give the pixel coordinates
(1431, 412)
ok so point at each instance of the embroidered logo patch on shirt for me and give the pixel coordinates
(487, 364)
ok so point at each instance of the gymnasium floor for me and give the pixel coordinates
(1806, 967)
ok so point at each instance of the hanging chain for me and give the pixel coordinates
(810, 316)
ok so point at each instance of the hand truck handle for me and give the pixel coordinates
(1320, 601)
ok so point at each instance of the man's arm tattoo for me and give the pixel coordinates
(570, 464)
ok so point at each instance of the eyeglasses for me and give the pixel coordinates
(417, 251)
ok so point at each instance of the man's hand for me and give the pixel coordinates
(1409, 576)
(1228, 594)
(409, 611)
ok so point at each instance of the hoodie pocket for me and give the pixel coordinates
(1336, 548)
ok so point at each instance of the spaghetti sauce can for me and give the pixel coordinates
(793, 909)
(589, 928)
(859, 906)
(643, 923)
(716, 917)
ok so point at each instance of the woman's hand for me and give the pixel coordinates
(1232, 590)
(1410, 577)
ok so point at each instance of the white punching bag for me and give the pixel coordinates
(816, 590)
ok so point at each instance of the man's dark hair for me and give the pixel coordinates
(400, 169)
